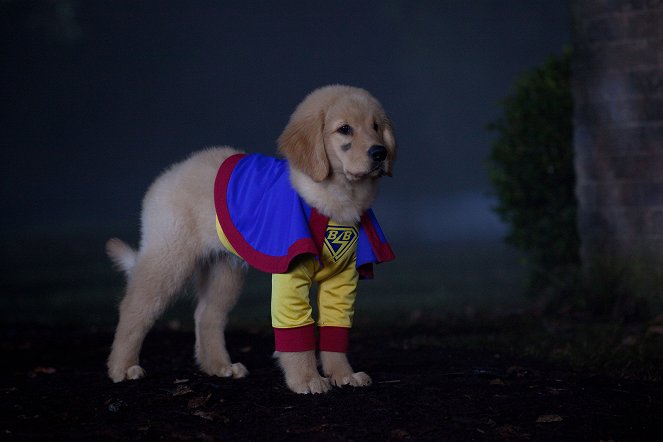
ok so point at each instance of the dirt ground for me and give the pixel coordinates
(54, 387)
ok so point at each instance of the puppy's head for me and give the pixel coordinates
(340, 130)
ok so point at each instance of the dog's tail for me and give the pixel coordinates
(122, 255)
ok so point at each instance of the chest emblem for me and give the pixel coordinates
(339, 240)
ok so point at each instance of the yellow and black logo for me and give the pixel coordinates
(340, 239)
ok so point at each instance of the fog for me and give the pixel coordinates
(99, 97)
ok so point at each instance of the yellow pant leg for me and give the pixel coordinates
(290, 295)
(336, 298)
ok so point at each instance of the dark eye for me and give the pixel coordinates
(345, 130)
(375, 127)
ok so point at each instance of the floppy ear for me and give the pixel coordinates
(302, 143)
(390, 143)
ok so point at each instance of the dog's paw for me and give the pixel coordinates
(235, 371)
(135, 372)
(359, 379)
(132, 373)
(313, 385)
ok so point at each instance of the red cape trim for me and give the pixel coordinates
(257, 259)
(382, 250)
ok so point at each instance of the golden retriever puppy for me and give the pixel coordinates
(305, 218)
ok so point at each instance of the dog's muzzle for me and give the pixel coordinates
(378, 154)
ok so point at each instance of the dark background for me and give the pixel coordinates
(98, 97)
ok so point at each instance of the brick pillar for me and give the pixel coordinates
(618, 139)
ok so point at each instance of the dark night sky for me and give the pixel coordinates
(99, 96)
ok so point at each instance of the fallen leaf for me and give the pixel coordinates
(211, 416)
(517, 371)
(511, 432)
(41, 370)
(204, 414)
(497, 381)
(630, 341)
(198, 402)
(545, 418)
(299, 429)
(655, 330)
(556, 391)
(399, 434)
(181, 390)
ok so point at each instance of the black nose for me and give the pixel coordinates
(377, 153)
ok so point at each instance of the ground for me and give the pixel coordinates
(54, 387)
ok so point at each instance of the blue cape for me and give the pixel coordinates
(269, 224)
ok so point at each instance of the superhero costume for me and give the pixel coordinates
(262, 219)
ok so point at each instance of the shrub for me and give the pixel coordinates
(531, 169)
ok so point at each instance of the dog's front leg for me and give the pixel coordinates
(336, 367)
(301, 373)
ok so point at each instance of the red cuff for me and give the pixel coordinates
(295, 339)
(334, 339)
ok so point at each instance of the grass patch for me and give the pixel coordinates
(627, 351)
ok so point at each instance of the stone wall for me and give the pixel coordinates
(618, 95)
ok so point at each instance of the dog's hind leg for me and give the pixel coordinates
(219, 284)
(156, 277)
